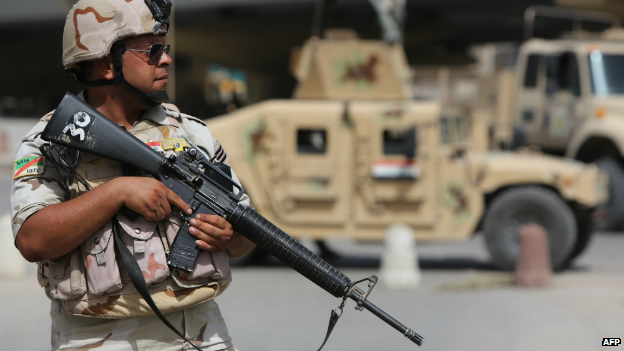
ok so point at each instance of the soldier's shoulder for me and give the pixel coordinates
(38, 128)
(193, 119)
(173, 111)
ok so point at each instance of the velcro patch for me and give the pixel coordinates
(219, 155)
(175, 144)
(169, 144)
(29, 166)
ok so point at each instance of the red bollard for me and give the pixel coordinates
(533, 267)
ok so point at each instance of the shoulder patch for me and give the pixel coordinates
(29, 166)
(194, 119)
(219, 155)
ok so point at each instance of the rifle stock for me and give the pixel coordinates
(79, 126)
(186, 175)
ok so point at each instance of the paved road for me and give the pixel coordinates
(462, 304)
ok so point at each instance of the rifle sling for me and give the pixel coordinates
(333, 319)
(136, 276)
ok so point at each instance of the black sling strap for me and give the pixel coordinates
(136, 276)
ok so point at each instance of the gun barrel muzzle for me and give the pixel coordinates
(408, 332)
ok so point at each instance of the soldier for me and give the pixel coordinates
(64, 203)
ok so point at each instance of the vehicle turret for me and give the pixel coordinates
(336, 64)
(343, 66)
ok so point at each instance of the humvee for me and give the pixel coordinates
(565, 96)
(351, 154)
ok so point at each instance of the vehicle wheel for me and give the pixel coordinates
(517, 206)
(585, 225)
(611, 213)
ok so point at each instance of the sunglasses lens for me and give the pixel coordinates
(155, 53)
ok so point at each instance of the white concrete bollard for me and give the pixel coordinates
(399, 261)
(12, 264)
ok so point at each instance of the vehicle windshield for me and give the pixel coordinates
(607, 73)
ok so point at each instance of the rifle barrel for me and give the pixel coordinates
(407, 332)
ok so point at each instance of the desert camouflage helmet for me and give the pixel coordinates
(95, 28)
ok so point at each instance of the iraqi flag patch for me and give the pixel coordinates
(29, 166)
(156, 145)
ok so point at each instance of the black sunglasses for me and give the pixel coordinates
(155, 52)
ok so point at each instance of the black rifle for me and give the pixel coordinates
(204, 187)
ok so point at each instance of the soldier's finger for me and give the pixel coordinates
(166, 207)
(159, 214)
(151, 214)
(208, 247)
(204, 227)
(215, 220)
(175, 200)
(207, 238)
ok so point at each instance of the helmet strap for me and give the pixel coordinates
(79, 77)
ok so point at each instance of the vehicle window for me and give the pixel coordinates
(399, 141)
(532, 67)
(606, 73)
(311, 141)
(445, 132)
(563, 74)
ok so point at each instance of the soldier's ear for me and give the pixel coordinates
(103, 68)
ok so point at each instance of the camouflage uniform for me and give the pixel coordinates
(91, 282)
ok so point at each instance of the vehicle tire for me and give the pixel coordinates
(517, 206)
(585, 227)
(611, 213)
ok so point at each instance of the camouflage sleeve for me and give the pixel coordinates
(35, 183)
(201, 135)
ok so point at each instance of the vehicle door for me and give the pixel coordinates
(394, 168)
(531, 98)
(563, 107)
(307, 172)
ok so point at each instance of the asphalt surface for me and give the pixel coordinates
(462, 304)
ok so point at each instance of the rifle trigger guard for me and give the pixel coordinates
(372, 280)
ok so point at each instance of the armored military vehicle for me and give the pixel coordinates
(566, 96)
(351, 154)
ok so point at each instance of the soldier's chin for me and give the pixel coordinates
(159, 96)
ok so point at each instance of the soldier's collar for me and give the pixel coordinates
(155, 114)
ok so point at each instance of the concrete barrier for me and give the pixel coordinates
(12, 264)
(399, 261)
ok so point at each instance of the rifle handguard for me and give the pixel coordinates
(269, 237)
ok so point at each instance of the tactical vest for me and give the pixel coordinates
(92, 281)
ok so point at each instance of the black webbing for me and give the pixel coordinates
(333, 319)
(136, 276)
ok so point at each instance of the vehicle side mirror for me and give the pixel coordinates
(409, 145)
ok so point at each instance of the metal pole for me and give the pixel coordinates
(170, 39)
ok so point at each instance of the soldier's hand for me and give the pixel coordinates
(149, 197)
(214, 232)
